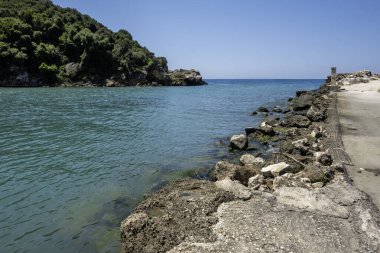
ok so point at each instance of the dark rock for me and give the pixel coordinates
(303, 102)
(296, 121)
(324, 158)
(277, 109)
(251, 130)
(316, 114)
(314, 173)
(301, 92)
(225, 169)
(262, 109)
(239, 142)
(254, 113)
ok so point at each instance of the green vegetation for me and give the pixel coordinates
(50, 44)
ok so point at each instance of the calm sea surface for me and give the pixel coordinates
(74, 162)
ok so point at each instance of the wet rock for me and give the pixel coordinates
(301, 92)
(235, 187)
(275, 170)
(239, 142)
(316, 114)
(296, 121)
(277, 109)
(324, 158)
(262, 109)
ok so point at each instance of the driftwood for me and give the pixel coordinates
(290, 157)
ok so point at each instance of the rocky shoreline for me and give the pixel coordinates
(178, 77)
(296, 198)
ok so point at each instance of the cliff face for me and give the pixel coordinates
(44, 44)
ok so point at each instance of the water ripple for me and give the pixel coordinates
(69, 157)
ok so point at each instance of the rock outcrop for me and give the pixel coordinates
(182, 77)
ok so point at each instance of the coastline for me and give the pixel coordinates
(305, 174)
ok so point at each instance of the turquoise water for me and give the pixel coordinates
(74, 162)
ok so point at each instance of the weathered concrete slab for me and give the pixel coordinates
(269, 224)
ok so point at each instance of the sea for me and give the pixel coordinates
(75, 162)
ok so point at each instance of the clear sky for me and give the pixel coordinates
(249, 38)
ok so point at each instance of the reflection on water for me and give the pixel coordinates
(75, 161)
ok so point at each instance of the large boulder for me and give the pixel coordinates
(224, 169)
(239, 142)
(275, 170)
(316, 114)
(178, 211)
(303, 102)
(314, 173)
(296, 121)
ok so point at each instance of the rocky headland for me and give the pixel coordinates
(294, 197)
(42, 44)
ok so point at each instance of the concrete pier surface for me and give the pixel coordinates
(359, 113)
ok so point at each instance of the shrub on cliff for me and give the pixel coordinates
(41, 39)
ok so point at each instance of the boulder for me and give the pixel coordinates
(314, 173)
(296, 121)
(235, 187)
(262, 109)
(316, 114)
(239, 142)
(275, 170)
(277, 109)
(247, 159)
(225, 169)
(303, 102)
(324, 158)
(256, 181)
(301, 92)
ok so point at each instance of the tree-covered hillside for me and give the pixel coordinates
(41, 43)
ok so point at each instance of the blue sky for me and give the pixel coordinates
(249, 38)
